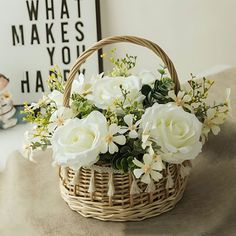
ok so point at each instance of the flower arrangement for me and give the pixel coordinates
(134, 123)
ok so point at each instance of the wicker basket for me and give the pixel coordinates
(107, 194)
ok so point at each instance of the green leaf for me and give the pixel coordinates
(146, 89)
(118, 164)
(161, 71)
(159, 92)
(124, 164)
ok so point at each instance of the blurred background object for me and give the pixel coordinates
(7, 109)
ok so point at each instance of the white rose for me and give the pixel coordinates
(107, 90)
(79, 141)
(174, 130)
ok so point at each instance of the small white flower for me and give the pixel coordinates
(132, 128)
(43, 101)
(111, 138)
(57, 97)
(181, 99)
(212, 122)
(150, 169)
(59, 117)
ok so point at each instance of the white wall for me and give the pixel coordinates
(196, 34)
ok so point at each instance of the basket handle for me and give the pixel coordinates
(118, 39)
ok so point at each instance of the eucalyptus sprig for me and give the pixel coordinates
(158, 93)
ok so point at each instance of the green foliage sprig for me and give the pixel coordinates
(159, 92)
(123, 160)
(81, 107)
(121, 67)
(55, 80)
(199, 93)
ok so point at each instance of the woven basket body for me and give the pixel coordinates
(122, 206)
(88, 191)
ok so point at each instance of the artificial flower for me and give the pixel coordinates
(111, 138)
(150, 169)
(59, 117)
(147, 77)
(57, 97)
(213, 121)
(131, 127)
(107, 91)
(79, 141)
(174, 130)
(82, 85)
(181, 99)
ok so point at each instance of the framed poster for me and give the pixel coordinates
(38, 34)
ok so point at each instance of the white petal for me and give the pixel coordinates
(81, 78)
(145, 137)
(123, 130)
(112, 148)
(147, 77)
(215, 129)
(218, 120)
(147, 158)
(186, 98)
(156, 175)
(57, 97)
(67, 113)
(227, 92)
(172, 95)
(120, 139)
(51, 127)
(113, 129)
(129, 119)
(138, 123)
(138, 163)
(180, 94)
(104, 147)
(151, 151)
(210, 113)
(146, 178)
(138, 172)
(157, 165)
(133, 134)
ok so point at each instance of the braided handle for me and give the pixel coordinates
(117, 39)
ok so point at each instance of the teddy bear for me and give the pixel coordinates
(7, 110)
